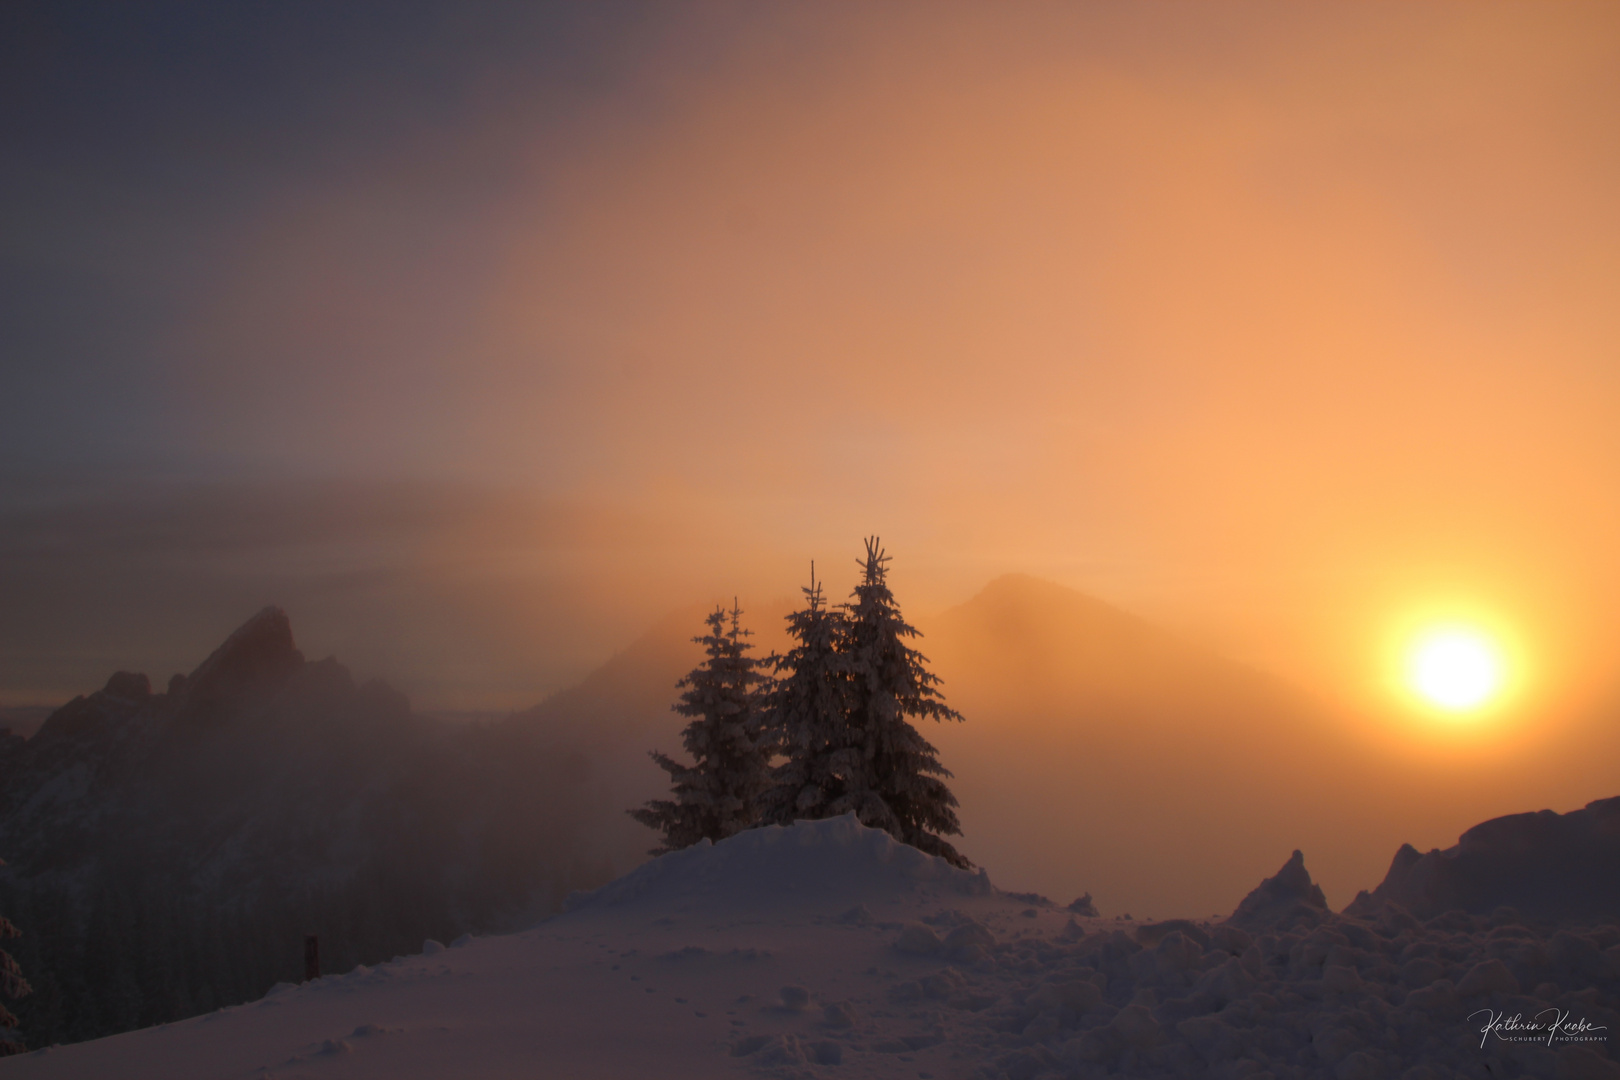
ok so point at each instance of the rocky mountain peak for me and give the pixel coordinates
(257, 657)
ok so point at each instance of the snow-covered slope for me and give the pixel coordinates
(785, 870)
(661, 973)
(828, 950)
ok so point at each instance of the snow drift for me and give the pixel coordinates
(776, 867)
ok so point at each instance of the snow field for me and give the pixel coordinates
(826, 950)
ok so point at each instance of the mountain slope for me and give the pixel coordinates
(608, 722)
(168, 851)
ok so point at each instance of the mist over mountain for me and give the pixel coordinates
(1151, 769)
(610, 720)
(1165, 778)
(1100, 752)
(168, 851)
(1162, 777)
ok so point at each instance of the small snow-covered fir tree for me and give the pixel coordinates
(12, 985)
(719, 794)
(900, 785)
(808, 711)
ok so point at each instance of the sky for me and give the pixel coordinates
(480, 336)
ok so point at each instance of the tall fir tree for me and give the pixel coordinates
(720, 793)
(12, 985)
(808, 711)
(900, 784)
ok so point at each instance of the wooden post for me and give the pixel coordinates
(312, 957)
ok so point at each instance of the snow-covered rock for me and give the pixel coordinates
(1543, 865)
(1288, 899)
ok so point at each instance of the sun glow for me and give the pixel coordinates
(1457, 669)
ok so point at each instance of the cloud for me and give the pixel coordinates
(463, 595)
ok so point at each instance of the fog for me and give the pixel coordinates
(484, 340)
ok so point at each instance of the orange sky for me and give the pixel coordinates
(481, 339)
(1269, 323)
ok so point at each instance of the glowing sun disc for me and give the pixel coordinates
(1456, 670)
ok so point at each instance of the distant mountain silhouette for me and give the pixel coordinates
(1104, 754)
(1035, 643)
(168, 851)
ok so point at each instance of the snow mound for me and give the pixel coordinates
(808, 861)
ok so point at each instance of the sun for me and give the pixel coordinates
(1457, 669)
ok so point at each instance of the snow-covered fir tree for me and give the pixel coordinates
(12, 985)
(719, 794)
(808, 710)
(899, 786)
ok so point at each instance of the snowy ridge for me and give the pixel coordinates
(806, 861)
